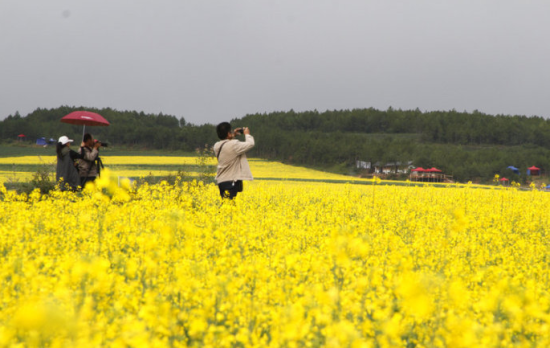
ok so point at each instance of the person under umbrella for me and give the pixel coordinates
(66, 173)
(90, 164)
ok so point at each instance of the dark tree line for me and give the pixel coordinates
(449, 127)
(465, 145)
(128, 128)
(468, 146)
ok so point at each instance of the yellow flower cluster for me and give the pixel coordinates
(142, 166)
(129, 166)
(14, 176)
(120, 160)
(28, 160)
(276, 170)
(284, 265)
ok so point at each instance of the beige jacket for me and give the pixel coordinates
(87, 166)
(232, 162)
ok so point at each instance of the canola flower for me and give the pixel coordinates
(284, 265)
(28, 159)
(121, 160)
(14, 175)
(129, 166)
(132, 166)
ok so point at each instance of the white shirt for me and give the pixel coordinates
(232, 162)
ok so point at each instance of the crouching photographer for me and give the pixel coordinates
(90, 165)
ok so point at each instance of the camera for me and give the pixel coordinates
(239, 130)
(102, 143)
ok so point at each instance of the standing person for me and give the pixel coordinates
(233, 166)
(66, 174)
(88, 166)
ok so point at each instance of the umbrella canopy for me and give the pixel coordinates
(419, 169)
(433, 169)
(85, 118)
(533, 168)
(513, 169)
(21, 135)
(503, 179)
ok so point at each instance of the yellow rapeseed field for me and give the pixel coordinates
(133, 166)
(284, 265)
(15, 176)
(120, 160)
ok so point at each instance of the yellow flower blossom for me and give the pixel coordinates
(295, 264)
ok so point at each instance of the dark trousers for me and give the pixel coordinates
(85, 179)
(229, 189)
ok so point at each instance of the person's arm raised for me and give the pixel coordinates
(248, 143)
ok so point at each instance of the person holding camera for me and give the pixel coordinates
(89, 165)
(66, 174)
(233, 166)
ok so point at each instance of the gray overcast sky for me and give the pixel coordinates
(213, 60)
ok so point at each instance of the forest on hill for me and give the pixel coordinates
(469, 146)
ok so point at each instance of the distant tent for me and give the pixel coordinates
(504, 181)
(433, 170)
(20, 137)
(533, 171)
(514, 169)
(41, 141)
(52, 141)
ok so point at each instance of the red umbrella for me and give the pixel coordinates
(419, 169)
(85, 118)
(21, 135)
(504, 179)
(433, 169)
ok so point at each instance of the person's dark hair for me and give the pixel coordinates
(58, 148)
(222, 129)
(87, 137)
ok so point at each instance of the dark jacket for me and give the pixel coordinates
(66, 169)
